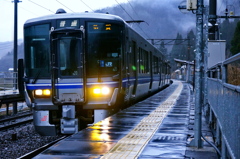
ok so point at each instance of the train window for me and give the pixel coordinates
(37, 50)
(155, 65)
(104, 45)
(132, 59)
(69, 49)
(160, 66)
(143, 61)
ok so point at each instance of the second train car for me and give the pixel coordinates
(75, 63)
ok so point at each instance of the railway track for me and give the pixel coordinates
(41, 149)
(15, 121)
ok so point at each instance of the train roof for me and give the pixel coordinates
(77, 15)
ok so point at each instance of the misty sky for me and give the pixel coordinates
(34, 8)
(28, 9)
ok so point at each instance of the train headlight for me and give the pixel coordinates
(105, 90)
(101, 91)
(46, 92)
(42, 93)
(97, 91)
(38, 92)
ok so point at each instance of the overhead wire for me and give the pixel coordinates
(86, 5)
(124, 10)
(220, 7)
(28, 11)
(131, 17)
(23, 8)
(132, 8)
(234, 4)
(64, 5)
(41, 6)
(135, 11)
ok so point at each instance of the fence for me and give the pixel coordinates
(224, 105)
(9, 93)
(8, 83)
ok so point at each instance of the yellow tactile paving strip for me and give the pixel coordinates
(134, 142)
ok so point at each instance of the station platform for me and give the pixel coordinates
(158, 127)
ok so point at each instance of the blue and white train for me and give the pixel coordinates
(76, 63)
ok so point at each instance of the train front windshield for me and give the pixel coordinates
(102, 51)
(37, 49)
(104, 47)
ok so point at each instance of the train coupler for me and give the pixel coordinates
(69, 124)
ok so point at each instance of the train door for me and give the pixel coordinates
(160, 71)
(127, 82)
(151, 70)
(68, 84)
(133, 68)
(68, 76)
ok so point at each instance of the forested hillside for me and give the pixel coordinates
(161, 20)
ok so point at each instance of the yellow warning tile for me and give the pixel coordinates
(133, 143)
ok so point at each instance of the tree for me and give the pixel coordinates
(191, 45)
(236, 40)
(227, 32)
(162, 48)
(177, 51)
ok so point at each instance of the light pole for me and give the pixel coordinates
(198, 69)
(199, 58)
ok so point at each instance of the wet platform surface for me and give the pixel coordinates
(157, 127)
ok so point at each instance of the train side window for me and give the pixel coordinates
(140, 61)
(143, 61)
(155, 65)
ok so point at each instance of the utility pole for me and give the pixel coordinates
(199, 58)
(15, 48)
(15, 35)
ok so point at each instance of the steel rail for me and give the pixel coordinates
(16, 124)
(41, 149)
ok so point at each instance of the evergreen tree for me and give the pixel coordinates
(227, 32)
(182, 49)
(177, 51)
(162, 48)
(191, 45)
(236, 40)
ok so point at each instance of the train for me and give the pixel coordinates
(76, 63)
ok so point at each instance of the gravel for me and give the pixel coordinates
(22, 140)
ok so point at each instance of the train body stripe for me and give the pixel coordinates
(80, 85)
(68, 85)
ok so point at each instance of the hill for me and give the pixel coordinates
(7, 55)
(162, 20)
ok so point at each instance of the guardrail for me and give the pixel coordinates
(9, 93)
(8, 83)
(223, 107)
